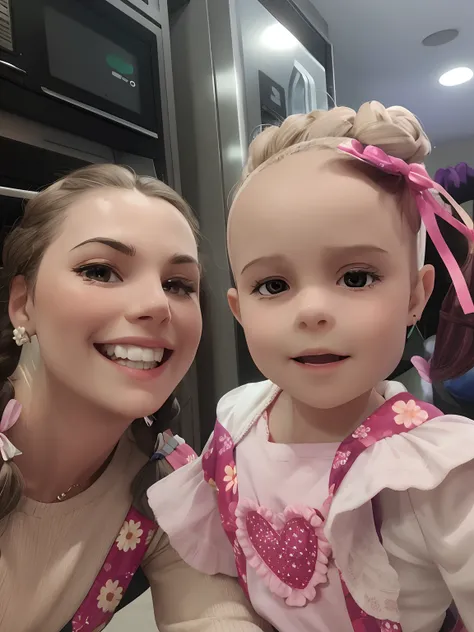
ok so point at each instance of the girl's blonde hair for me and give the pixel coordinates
(395, 130)
(23, 251)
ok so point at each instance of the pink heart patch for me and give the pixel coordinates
(290, 553)
(289, 550)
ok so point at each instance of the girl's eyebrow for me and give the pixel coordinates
(356, 249)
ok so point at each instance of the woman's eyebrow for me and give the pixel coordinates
(125, 249)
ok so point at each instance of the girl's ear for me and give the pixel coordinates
(421, 294)
(234, 304)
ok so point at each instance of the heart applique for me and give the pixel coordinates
(289, 550)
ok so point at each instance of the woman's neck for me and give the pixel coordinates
(294, 422)
(64, 440)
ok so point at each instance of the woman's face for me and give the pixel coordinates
(115, 306)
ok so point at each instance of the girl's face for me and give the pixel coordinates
(325, 281)
(116, 306)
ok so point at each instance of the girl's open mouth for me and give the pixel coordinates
(324, 358)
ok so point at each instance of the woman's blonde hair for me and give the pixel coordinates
(23, 251)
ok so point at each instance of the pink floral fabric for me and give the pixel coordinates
(220, 472)
(111, 583)
(241, 522)
(122, 561)
(399, 414)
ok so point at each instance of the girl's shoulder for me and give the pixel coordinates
(423, 468)
(185, 503)
(239, 409)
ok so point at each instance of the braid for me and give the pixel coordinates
(11, 480)
(395, 130)
(146, 437)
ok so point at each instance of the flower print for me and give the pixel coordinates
(212, 483)
(361, 433)
(129, 536)
(230, 478)
(191, 457)
(109, 596)
(226, 444)
(371, 439)
(340, 459)
(409, 414)
(389, 626)
(208, 454)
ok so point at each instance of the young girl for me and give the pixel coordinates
(102, 274)
(339, 501)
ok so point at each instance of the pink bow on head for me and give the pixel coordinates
(9, 418)
(420, 184)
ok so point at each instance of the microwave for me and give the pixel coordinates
(88, 54)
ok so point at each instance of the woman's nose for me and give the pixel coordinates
(151, 304)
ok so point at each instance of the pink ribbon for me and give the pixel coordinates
(182, 455)
(9, 418)
(420, 183)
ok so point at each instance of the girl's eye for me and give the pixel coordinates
(179, 287)
(358, 279)
(99, 272)
(271, 287)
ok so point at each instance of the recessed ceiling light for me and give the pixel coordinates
(277, 37)
(441, 37)
(456, 76)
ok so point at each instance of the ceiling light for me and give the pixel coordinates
(456, 76)
(277, 37)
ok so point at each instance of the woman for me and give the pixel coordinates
(103, 272)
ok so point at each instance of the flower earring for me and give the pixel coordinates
(21, 336)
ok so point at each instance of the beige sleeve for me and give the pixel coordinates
(187, 601)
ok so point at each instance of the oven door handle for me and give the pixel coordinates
(17, 193)
(12, 66)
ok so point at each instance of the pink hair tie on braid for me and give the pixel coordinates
(420, 184)
(9, 418)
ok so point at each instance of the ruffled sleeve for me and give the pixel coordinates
(185, 506)
(427, 460)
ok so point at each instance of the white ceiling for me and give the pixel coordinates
(379, 55)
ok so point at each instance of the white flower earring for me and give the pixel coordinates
(21, 336)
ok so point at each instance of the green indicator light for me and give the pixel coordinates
(118, 64)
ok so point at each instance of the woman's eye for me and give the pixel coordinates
(358, 279)
(271, 287)
(100, 273)
(179, 287)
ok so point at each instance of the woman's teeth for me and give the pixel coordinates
(132, 356)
